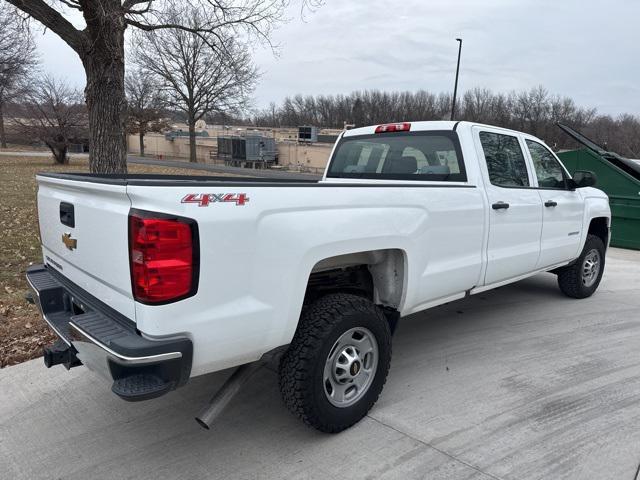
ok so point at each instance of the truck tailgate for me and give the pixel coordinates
(84, 234)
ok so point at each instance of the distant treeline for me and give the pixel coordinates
(535, 111)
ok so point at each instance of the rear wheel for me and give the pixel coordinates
(582, 278)
(337, 363)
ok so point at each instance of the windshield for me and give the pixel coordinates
(432, 155)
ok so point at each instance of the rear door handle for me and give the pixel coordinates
(500, 206)
(550, 203)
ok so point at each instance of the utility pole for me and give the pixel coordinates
(455, 88)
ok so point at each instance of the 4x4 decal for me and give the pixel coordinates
(204, 199)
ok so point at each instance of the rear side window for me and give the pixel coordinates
(505, 160)
(400, 156)
(548, 170)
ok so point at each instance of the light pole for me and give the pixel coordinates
(455, 88)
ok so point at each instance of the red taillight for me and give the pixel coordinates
(163, 257)
(393, 127)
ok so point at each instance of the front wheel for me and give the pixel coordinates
(582, 278)
(337, 363)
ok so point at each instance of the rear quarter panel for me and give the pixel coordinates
(256, 259)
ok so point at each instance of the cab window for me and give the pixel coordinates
(431, 155)
(549, 172)
(505, 160)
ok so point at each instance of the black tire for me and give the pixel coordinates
(570, 278)
(302, 367)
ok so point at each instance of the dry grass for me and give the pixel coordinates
(22, 331)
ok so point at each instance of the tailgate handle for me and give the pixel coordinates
(67, 216)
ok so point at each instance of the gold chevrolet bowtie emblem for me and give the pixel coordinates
(69, 242)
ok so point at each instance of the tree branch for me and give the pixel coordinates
(127, 4)
(71, 4)
(53, 20)
(128, 7)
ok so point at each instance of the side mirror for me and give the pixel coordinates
(584, 178)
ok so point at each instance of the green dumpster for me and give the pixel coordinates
(618, 178)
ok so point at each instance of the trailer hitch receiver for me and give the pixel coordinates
(60, 354)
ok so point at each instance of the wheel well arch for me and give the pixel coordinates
(379, 275)
(599, 227)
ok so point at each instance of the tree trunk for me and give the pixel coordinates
(141, 144)
(59, 153)
(192, 140)
(105, 95)
(3, 137)
(62, 155)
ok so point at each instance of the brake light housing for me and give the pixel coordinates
(164, 257)
(393, 127)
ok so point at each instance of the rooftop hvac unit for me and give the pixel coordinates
(308, 134)
(238, 148)
(224, 147)
(251, 148)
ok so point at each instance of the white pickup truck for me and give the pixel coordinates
(150, 280)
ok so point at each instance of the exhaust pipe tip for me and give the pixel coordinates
(226, 393)
(202, 424)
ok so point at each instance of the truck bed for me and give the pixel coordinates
(151, 179)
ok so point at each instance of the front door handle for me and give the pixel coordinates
(550, 203)
(500, 206)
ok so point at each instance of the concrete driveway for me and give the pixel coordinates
(519, 383)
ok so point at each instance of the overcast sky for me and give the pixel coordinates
(589, 50)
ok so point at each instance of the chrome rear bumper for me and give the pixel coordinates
(106, 342)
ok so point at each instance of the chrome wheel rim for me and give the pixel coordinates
(591, 267)
(350, 367)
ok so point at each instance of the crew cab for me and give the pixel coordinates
(150, 280)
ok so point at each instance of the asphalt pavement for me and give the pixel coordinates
(517, 383)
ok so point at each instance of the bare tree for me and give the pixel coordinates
(477, 104)
(196, 79)
(53, 113)
(101, 44)
(17, 59)
(145, 112)
(534, 111)
(621, 134)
